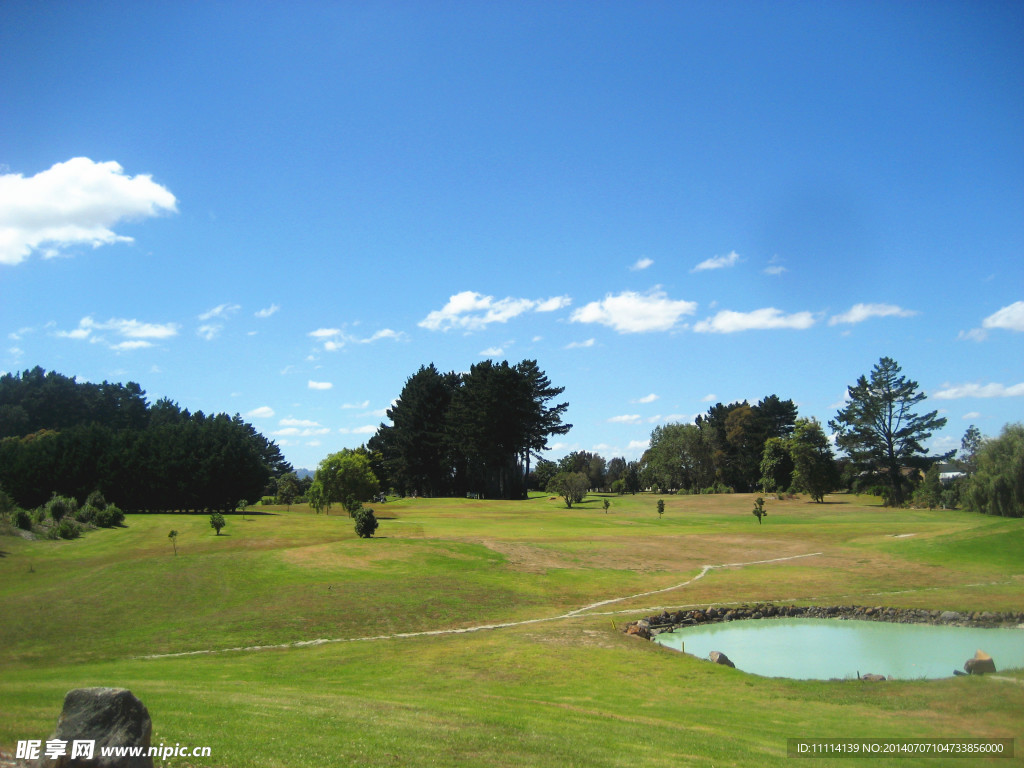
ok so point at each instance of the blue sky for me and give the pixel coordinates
(283, 210)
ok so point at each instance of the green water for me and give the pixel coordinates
(822, 649)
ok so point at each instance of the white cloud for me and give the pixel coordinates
(858, 313)
(263, 412)
(290, 422)
(975, 334)
(709, 398)
(647, 398)
(136, 335)
(356, 406)
(550, 305)
(222, 310)
(336, 338)
(631, 312)
(629, 418)
(1011, 318)
(299, 432)
(473, 311)
(491, 352)
(267, 312)
(368, 429)
(971, 415)
(979, 390)
(642, 263)
(581, 344)
(71, 204)
(717, 262)
(728, 321)
(774, 270)
(209, 332)
(638, 445)
(320, 385)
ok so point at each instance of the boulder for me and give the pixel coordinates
(871, 678)
(720, 658)
(948, 616)
(640, 629)
(980, 664)
(112, 717)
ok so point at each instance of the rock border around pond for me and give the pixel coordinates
(667, 622)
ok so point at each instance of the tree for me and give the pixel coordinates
(346, 478)
(879, 428)
(606, 505)
(317, 497)
(287, 489)
(776, 465)
(814, 466)
(969, 447)
(997, 485)
(759, 510)
(661, 508)
(173, 536)
(542, 473)
(571, 486)
(366, 522)
(217, 522)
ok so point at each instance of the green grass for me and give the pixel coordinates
(570, 691)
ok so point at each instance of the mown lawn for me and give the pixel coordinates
(570, 691)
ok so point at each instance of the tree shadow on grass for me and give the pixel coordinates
(4, 554)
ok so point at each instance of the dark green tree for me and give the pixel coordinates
(217, 522)
(997, 485)
(571, 486)
(880, 429)
(814, 466)
(776, 465)
(366, 522)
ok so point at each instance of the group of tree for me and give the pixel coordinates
(723, 449)
(453, 434)
(63, 437)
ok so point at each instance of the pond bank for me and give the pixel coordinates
(667, 622)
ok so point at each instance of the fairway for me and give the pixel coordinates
(488, 633)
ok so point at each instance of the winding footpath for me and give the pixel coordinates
(579, 612)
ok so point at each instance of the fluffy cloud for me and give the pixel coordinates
(858, 313)
(135, 335)
(728, 321)
(491, 352)
(72, 204)
(1011, 318)
(647, 398)
(263, 412)
(367, 429)
(473, 311)
(335, 338)
(320, 385)
(717, 262)
(581, 344)
(629, 418)
(979, 390)
(631, 312)
(642, 263)
(268, 311)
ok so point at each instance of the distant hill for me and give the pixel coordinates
(302, 474)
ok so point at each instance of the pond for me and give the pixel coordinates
(823, 649)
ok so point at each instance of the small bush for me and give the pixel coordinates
(217, 522)
(366, 522)
(87, 514)
(67, 529)
(95, 499)
(23, 520)
(60, 507)
(109, 517)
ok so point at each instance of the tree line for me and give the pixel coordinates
(453, 434)
(60, 436)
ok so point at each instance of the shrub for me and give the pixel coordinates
(67, 529)
(60, 507)
(109, 517)
(366, 522)
(87, 514)
(96, 500)
(23, 520)
(217, 522)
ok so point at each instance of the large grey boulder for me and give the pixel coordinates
(112, 717)
(720, 658)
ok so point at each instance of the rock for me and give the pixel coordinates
(639, 629)
(980, 664)
(948, 616)
(873, 678)
(112, 717)
(720, 658)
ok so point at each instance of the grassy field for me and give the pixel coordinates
(547, 689)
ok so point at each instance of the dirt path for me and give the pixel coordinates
(481, 627)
